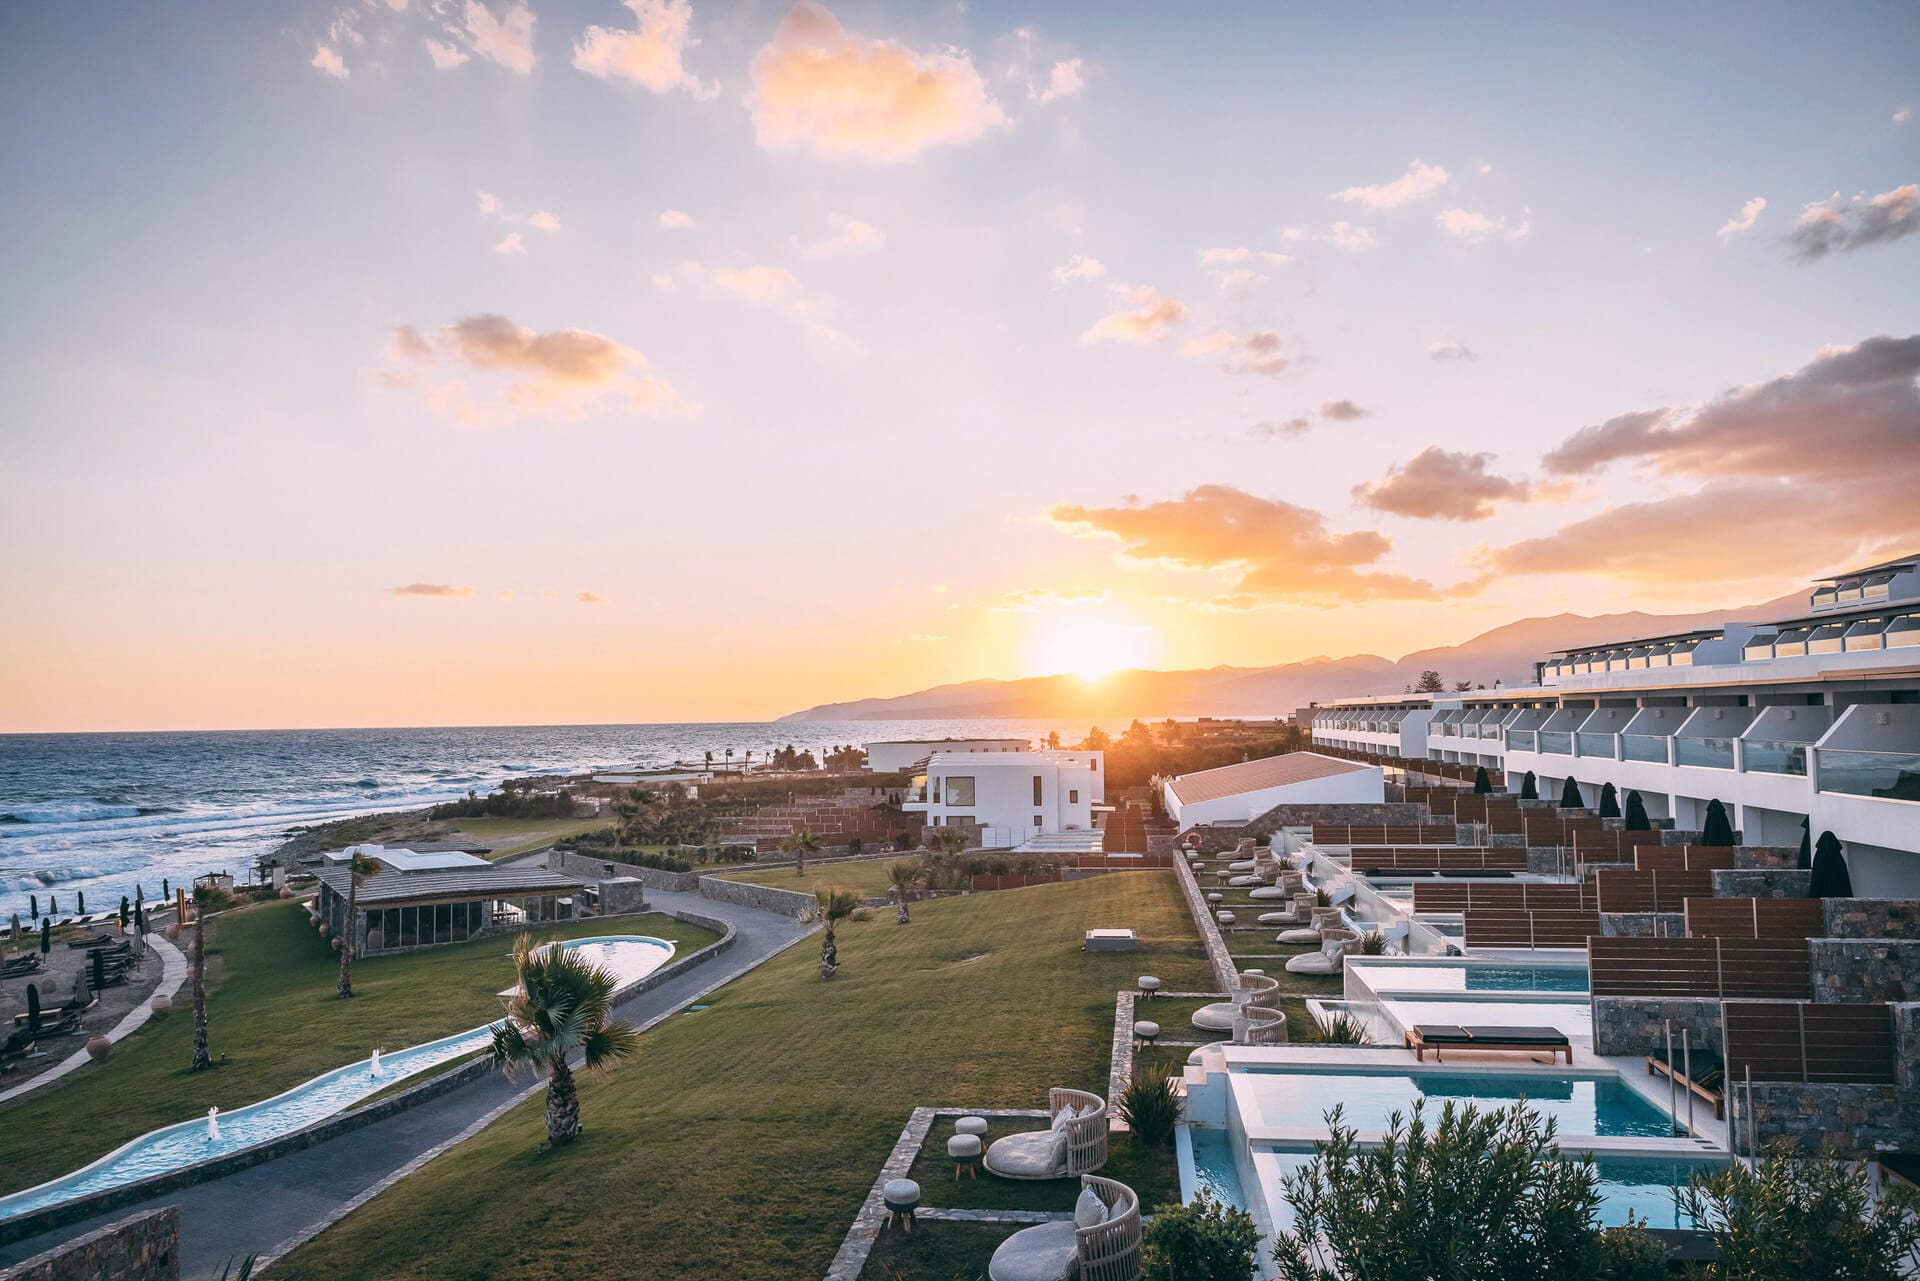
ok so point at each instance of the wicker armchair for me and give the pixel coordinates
(1261, 1021)
(1337, 943)
(1062, 1250)
(1027, 1155)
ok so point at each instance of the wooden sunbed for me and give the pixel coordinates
(1709, 1079)
(1520, 1040)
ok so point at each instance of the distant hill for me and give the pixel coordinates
(1506, 654)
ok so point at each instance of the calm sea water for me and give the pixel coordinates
(101, 812)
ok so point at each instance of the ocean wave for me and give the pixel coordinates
(69, 812)
(41, 878)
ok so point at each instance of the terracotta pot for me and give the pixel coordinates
(286, 892)
(173, 931)
(98, 1048)
(161, 1006)
(376, 939)
(336, 945)
(324, 931)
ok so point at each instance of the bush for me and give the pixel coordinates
(1344, 1029)
(1205, 1241)
(659, 862)
(1805, 1217)
(1373, 943)
(1150, 1107)
(1631, 1253)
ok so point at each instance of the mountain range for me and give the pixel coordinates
(1505, 654)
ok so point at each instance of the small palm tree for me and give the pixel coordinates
(904, 877)
(562, 1006)
(947, 840)
(207, 899)
(800, 842)
(359, 868)
(837, 903)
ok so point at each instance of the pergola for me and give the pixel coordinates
(421, 909)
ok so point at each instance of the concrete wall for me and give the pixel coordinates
(145, 1247)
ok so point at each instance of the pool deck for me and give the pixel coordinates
(287, 1199)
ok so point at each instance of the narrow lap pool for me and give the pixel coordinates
(1473, 978)
(1301, 1099)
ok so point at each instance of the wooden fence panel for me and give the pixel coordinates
(1755, 918)
(1699, 967)
(1809, 1042)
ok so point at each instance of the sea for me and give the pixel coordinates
(102, 813)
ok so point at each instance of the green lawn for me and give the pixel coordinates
(274, 1020)
(743, 1138)
(866, 877)
(531, 833)
(936, 1252)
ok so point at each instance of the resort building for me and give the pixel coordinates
(405, 909)
(1014, 795)
(1813, 718)
(1239, 793)
(900, 756)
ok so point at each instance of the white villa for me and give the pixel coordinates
(899, 756)
(1016, 795)
(1237, 793)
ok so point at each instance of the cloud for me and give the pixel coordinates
(506, 40)
(1080, 267)
(511, 245)
(674, 220)
(1063, 81)
(544, 221)
(1034, 599)
(1348, 238)
(329, 61)
(851, 236)
(1744, 220)
(819, 88)
(445, 56)
(431, 591)
(1835, 224)
(1903, 115)
(1239, 256)
(1420, 181)
(1275, 550)
(1440, 485)
(1272, 429)
(1343, 411)
(591, 598)
(1447, 349)
(489, 205)
(1795, 475)
(1262, 352)
(650, 56)
(1146, 317)
(761, 284)
(1477, 228)
(568, 370)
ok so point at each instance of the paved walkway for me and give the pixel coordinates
(256, 1210)
(173, 973)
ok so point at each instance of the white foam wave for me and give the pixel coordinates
(68, 812)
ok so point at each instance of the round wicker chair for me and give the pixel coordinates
(1064, 1251)
(1039, 1154)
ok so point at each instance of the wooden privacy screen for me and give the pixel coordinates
(1518, 927)
(1611, 846)
(1790, 919)
(1462, 858)
(1699, 967)
(1623, 891)
(1384, 833)
(1682, 858)
(1810, 1042)
(1466, 896)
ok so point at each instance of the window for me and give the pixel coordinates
(960, 791)
(1036, 820)
(1073, 796)
(1037, 800)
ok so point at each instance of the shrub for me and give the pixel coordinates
(1150, 1107)
(1344, 1029)
(1323, 897)
(660, 862)
(1631, 1253)
(1373, 943)
(856, 846)
(1204, 1241)
(1805, 1217)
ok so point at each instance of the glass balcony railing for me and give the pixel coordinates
(1891, 776)
(1643, 747)
(1764, 756)
(1520, 740)
(1705, 753)
(1597, 745)
(1558, 744)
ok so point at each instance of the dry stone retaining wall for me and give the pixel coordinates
(145, 1247)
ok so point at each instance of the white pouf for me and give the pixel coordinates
(1149, 985)
(1146, 1030)
(1215, 897)
(901, 1194)
(1225, 918)
(974, 1125)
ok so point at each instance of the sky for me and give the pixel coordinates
(404, 362)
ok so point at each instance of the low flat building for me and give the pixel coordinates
(1238, 793)
(1015, 795)
(398, 910)
(399, 860)
(901, 756)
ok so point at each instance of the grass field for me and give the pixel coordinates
(511, 836)
(743, 1138)
(866, 877)
(273, 1021)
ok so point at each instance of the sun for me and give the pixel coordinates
(1091, 648)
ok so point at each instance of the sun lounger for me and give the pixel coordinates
(90, 940)
(1523, 1040)
(15, 966)
(1709, 1079)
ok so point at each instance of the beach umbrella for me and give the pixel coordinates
(1637, 820)
(1570, 795)
(1609, 802)
(79, 902)
(1529, 787)
(1481, 783)
(1806, 846)
(1830, 876)
(46, 935)
(33, 905)
(1716, 830)
(33, 1010)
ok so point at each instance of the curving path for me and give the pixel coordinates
(173, 974)
(266, 1208)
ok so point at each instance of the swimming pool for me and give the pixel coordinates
(1210, 1156)
(1471, 978)
(1284, 1098)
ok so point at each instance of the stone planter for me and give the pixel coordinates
(161, 1007)
(98, 1047)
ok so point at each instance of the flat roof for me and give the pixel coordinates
(1256, 776)
(1703, 633)
(478, 882)
(409, 861)
(1902, 562)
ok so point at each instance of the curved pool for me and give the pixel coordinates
(629, 957)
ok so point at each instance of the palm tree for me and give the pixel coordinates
(207, 899)
(903, 875)
(837, 903)
(947, 840)
(563, 1005)
(359, 868)
(800, 842)
(628, 808)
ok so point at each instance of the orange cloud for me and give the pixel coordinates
(1147, 317)
(819, 88)
(650, 56)
(1262, 352)
(432, 591)
(568, 369)
(1441, 485)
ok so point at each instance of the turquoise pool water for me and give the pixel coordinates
(1213, 1168)
(1301, 1100)
(1473, 978)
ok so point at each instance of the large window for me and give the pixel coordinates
(960, 791)
(1887, 775)
(1036, 790)
(1706, 753)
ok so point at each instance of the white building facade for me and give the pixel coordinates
(1015, 794)
(1238, 793)
(897, 756)
(1813, 717)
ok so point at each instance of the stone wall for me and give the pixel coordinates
(1741, 882)
(1225, 973)
(1758, 856)
(1906, 1044)
(145, 1247)
(621, 896)
(1872, 969)
(1873, 918)
(1643, 925)
(589, 868)
(763, 898)
(1636, 1025)
(1853, 1120)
